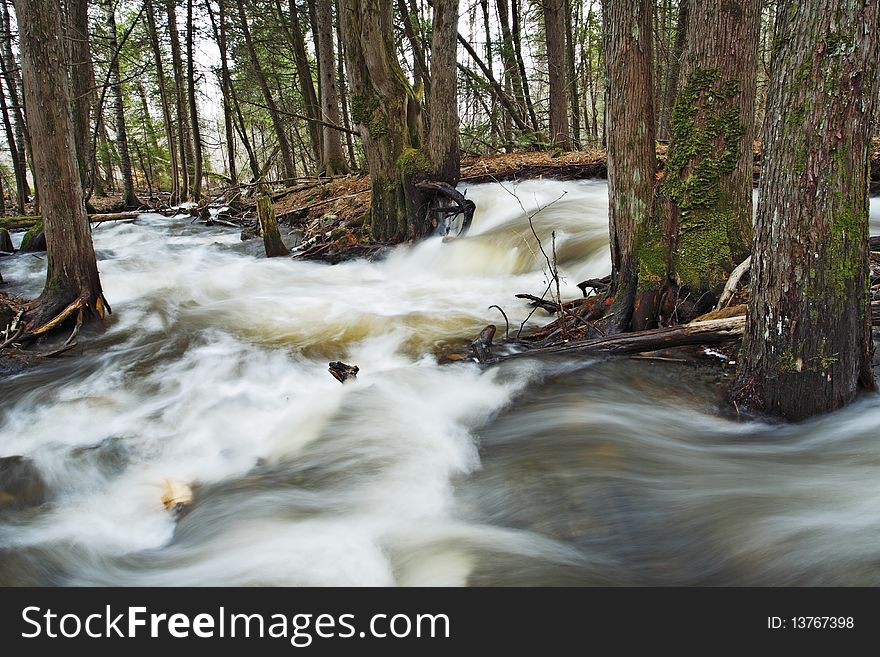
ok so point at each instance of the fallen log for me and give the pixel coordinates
(29, 221)
(712, 331)
(343, 372)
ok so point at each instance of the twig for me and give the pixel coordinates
(506, 321)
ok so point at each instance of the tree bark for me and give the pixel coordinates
(193, 105)
(277, 124)
(166, 108)
(343, 89)
(808, 346)
(516, 31)
(72, 272)
(184, 140)
(674, 69)
(511, 66)
(443, 148)
(129, 198)
(706, 194)
(554, 31)
(633, 225)
(389, 119)
(333, 157)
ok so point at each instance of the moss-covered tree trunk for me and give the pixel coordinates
(807, 346)
(705, 198)
(388, 116)
(72, 273)
(269, 227)
(631, 156)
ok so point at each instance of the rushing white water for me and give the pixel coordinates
(213, 371)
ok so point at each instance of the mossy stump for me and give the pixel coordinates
(269, 227)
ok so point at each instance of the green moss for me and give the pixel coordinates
(366, 110)
(651, 253)
(706, 134)
(788, 362)
(412, 161)
(32, 232)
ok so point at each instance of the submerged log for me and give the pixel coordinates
(482, 346)
(269, 227)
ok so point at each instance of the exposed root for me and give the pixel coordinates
(64, 314)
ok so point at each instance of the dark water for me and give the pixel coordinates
(553, 471)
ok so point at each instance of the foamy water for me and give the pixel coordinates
(213, 372)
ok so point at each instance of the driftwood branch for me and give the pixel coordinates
(732, 282)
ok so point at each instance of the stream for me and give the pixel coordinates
(557, 470)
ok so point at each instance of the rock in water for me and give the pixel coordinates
(6, 241)
(176, 495)
(343, 372)
(21, 484)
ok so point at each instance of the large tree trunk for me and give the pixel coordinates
(166, 108)
(706, 194)
(808, 338)
(306, 84)
(277, 124)
(631, 162)
(443, 149)
(389, 119)
(333, 157)
(193, 105)
(184, 140)
(129, 199)
(72, 273)
(554, 31)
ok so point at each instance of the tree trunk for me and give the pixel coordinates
(72, 273)
(166, 109)
(269, 227)
(634, 229)
(674, 69)
(193, 105)
(333, 157)
(277, 124)
(82, 80)
(20, 181)
(572, 90)
(306, 84)
(389, 119)
(554, 31)
(243, 135)
(808, 339)
(343, 88)
(129, 199)
(509, 61)
(520, 62)
(706, 195)
(22, 138)
(184, 140)
(443, 148)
